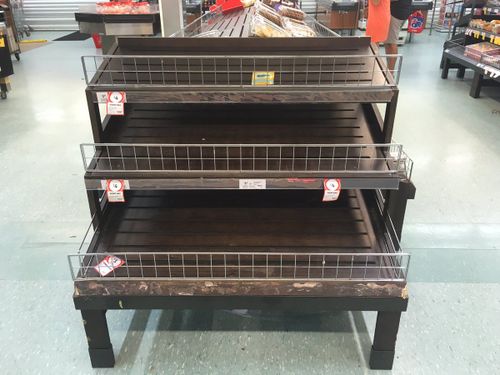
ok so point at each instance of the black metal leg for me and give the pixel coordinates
(396, 201)
(389, 117)
(477, 82)
(384, 341)
(446, 67)
(100, 348)
(95, 117)
(461, 72)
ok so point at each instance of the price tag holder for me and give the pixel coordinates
(115, 103)
(114, 189)
(252, 184)
(108, 264)
(331, 187)
(489, 71)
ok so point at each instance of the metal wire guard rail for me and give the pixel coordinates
(226, 158)
(245, 265)
(123, 71)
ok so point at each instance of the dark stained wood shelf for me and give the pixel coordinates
(241, 124)
(208, 222)
(212, 221)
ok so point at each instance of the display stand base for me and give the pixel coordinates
(102, 358)
(381, 359)
(384, 340)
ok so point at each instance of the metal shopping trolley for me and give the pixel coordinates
(23, 29)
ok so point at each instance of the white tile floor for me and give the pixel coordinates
(452, 324)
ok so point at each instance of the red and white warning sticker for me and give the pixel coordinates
(108, 264)
(115, 103)
(114, 190)
(331, 189)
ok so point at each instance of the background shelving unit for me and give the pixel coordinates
(225, 180)
(454, 49)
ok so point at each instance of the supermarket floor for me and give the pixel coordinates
(452, 229)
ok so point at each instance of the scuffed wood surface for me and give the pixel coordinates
(238, 288)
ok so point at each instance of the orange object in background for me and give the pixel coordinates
(97, 40)
(379, 18)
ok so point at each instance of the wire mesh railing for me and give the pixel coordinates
(223, 159)
(241, 266)
(227, 71)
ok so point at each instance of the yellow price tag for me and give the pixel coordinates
(2, 42)
(262, 78)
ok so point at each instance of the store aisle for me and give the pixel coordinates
(452, 231)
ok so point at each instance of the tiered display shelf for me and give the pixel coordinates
(224, 180)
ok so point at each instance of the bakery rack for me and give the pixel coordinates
(224, 180)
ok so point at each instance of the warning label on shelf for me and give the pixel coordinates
(115, 103)
(114, 190)
(108, 264)
(331, 189)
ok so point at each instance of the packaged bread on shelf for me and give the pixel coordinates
(290, 12)
(247, 3)
(491, 26)
(491, 58)
(269, 13)
(478, 24)
(476, 51)
(262, 27)
(297, 22)
(298, 28)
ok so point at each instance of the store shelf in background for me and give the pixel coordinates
(456, 54)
